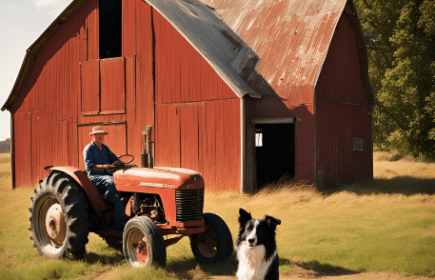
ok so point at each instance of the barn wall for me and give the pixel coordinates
(54, 112)
(197, 114)
(343, 113)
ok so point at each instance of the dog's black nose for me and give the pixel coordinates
(251, 240)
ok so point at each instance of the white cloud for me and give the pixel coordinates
(54, 7)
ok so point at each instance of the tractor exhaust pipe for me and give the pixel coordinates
(146, 159)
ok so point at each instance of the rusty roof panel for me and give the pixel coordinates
(291, 37)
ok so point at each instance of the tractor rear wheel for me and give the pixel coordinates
(215, 244)
(143, 243)
(59, 221)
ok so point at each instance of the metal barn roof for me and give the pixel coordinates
(292, 37)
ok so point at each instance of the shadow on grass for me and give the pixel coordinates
(112, 259)
(325, 269)
(399, 185)
(189, 268)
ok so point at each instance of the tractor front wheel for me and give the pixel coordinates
(143, 243)
(59, 221)
(213, 245)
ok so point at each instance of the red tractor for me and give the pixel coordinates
(159, 201)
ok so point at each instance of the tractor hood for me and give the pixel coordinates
(159, 177)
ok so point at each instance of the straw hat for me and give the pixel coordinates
(98, 129)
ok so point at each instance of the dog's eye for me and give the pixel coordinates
(260, 229)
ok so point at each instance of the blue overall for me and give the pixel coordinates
(93, 156)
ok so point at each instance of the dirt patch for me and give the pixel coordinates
(357, 276)
(107, 272)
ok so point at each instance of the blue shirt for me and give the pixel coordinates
(93, 156)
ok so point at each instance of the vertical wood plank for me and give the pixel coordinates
(128, 28)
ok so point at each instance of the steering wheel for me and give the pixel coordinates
(124, 155)
(127, 163)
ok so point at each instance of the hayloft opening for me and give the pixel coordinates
(275, 152)
(110, 28)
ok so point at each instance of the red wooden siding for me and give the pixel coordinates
(203, 136)
(182, 74)
(342, 113)
(129, 28)
(341, 78)
(92, 36)
(144, 100)
(167, 135)
(190, 115)
(23, 141)
(68, 138)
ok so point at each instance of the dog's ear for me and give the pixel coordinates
(244, 217)
(272, 221)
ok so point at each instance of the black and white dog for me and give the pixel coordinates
(256, 248)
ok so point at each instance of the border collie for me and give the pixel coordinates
(256, 248)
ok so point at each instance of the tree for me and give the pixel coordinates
(400, 38)
(5, 146)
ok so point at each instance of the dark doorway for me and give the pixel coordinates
(275, 152)
(110, 28)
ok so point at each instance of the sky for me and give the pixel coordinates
(21, 23)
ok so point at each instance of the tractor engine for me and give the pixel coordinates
(149, 205)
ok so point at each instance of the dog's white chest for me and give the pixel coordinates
(252, 263)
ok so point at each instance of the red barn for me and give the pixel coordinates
(242, 90)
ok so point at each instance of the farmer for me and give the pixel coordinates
(100, 163)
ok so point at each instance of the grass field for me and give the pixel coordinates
(387, 224)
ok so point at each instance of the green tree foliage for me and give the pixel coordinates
(400, 37)
(5, 146)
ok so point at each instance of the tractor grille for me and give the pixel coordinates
(190, 204)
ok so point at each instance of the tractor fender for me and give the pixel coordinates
(82, 179)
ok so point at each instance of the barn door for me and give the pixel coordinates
(275, 152)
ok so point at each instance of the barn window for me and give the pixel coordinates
(258, 138)
(110, 28)
(358, 145)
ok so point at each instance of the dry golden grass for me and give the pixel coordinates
(385, 169)
(385, 224)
